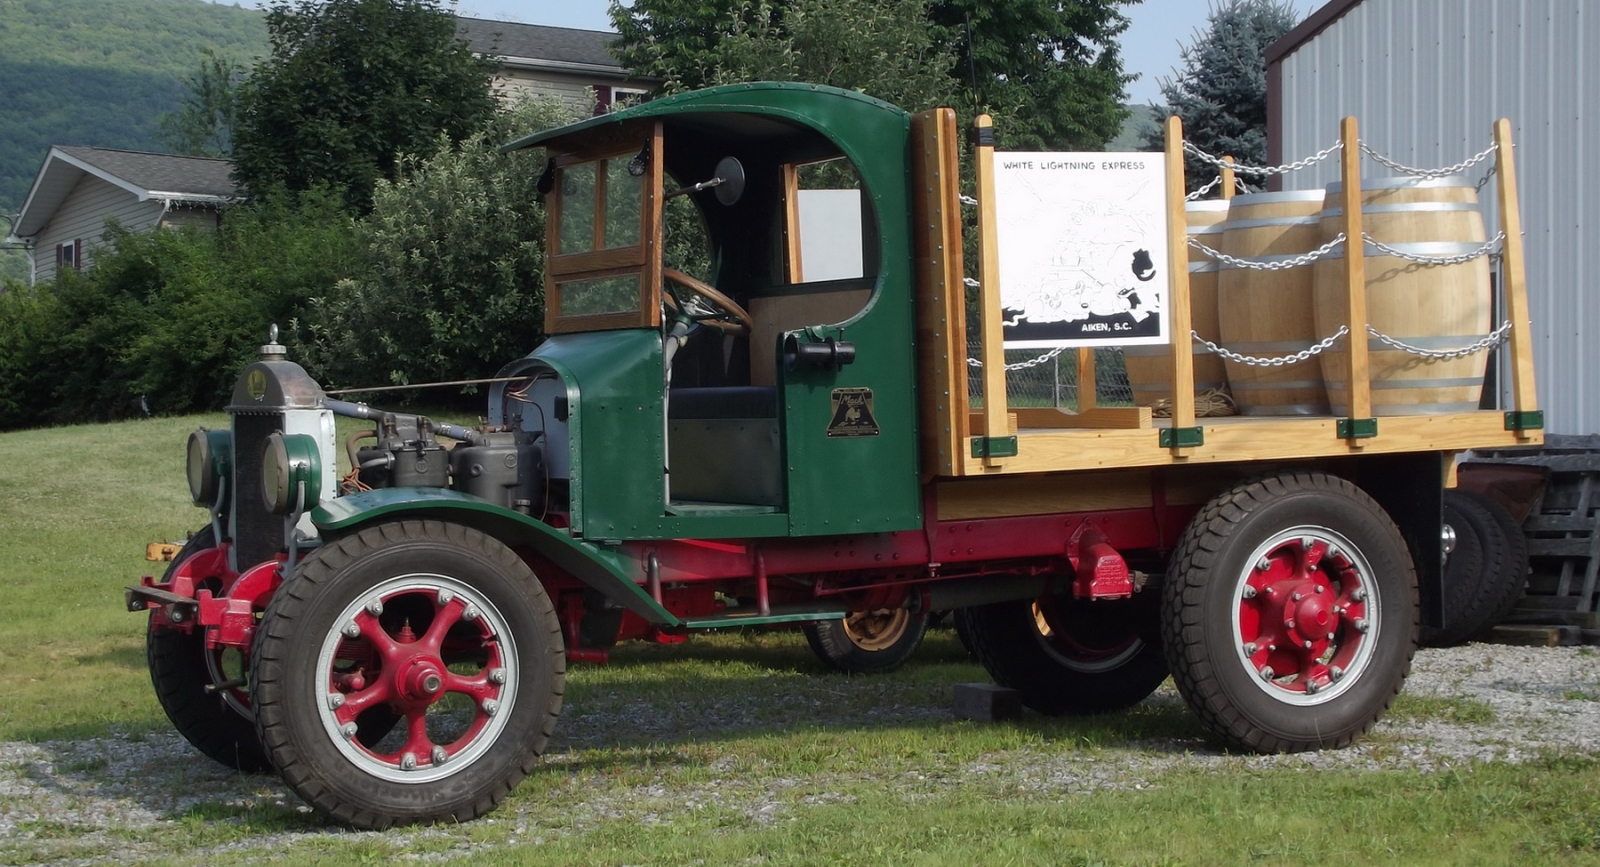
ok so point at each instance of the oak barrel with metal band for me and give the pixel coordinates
(1269, 313)
(1427, 306)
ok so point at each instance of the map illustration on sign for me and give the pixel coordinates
(1083, 249)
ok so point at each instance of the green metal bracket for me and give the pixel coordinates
(1357, 428)
(1182, 437)
(994, 447)
(1529, 420)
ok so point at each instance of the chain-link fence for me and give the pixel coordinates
(1053, 382)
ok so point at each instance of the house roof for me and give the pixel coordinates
(536, 46)
(165, 177)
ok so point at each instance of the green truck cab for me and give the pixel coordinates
(774, 429)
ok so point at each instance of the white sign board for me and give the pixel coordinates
(1083, 248)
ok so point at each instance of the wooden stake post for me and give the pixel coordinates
(1178, 300)
(995, 423)
(1358, 385)
(1515, 288)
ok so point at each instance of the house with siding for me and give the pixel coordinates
(79, 189)
(571, 65)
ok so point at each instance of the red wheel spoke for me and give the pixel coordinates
(1312, 556)
(477, 686)
(447, 616)
(380, 640)
(417, 743)
(356, 703)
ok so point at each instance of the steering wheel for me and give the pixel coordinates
(706, 304)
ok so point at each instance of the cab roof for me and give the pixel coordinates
(770, 110)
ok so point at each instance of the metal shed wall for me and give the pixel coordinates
(1426, 79)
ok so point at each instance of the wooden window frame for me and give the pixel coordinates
(644, 259)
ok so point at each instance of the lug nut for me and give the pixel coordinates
(1272, 648)
(1249, 592)
(375, 607)
(490, 707)
(1320, 588)
(1296, 597)
(497, 675)
(352, 629)
(1335, 672)
(440, 756)
(1263, 564)
(1289, 623)
(1359, 594)
(348, 730)
(1250, 648)
(445, 596)
(1330, 636)
(408, 762)
(335, 700)
(470, 613)
(1311, 687)
(1308, 644)
(1361, 625)
(1268, 674)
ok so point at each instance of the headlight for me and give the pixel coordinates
(290, 464)
(210, 457)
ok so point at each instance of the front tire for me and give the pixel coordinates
(434, 627)
(868, 642)
(185, 675)
(1290, 612)
(1069, 656)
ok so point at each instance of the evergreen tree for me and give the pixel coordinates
(203, 125)
(1221, 92)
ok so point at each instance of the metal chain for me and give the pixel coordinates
(1024, 365)
(1456, 169)
(1243, 169)
(1488, 248)
(1258, 265)
(1203, 190)
(1492, 339)
(1280, 361)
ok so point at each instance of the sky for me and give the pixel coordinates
(1149, 47)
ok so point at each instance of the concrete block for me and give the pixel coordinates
(986, 702)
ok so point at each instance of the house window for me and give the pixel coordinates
(609, 98)
(69, 255)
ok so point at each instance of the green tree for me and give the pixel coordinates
(352, 87)
(883, 48)
(450, 277)
(1221, 91)
(165, 320)
(1050, 71)
(202, 125)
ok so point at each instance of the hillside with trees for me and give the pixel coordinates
(102, 72)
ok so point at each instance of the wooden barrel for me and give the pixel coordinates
(1436, 307)
(1150, 367)
(1268, 314)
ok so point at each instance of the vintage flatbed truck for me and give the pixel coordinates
(754, 448)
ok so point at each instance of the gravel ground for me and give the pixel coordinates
(71, 802)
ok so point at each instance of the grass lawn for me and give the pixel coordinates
(734, 748)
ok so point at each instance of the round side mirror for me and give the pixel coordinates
(730, 172)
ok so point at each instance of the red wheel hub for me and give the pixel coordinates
(1302, 614)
